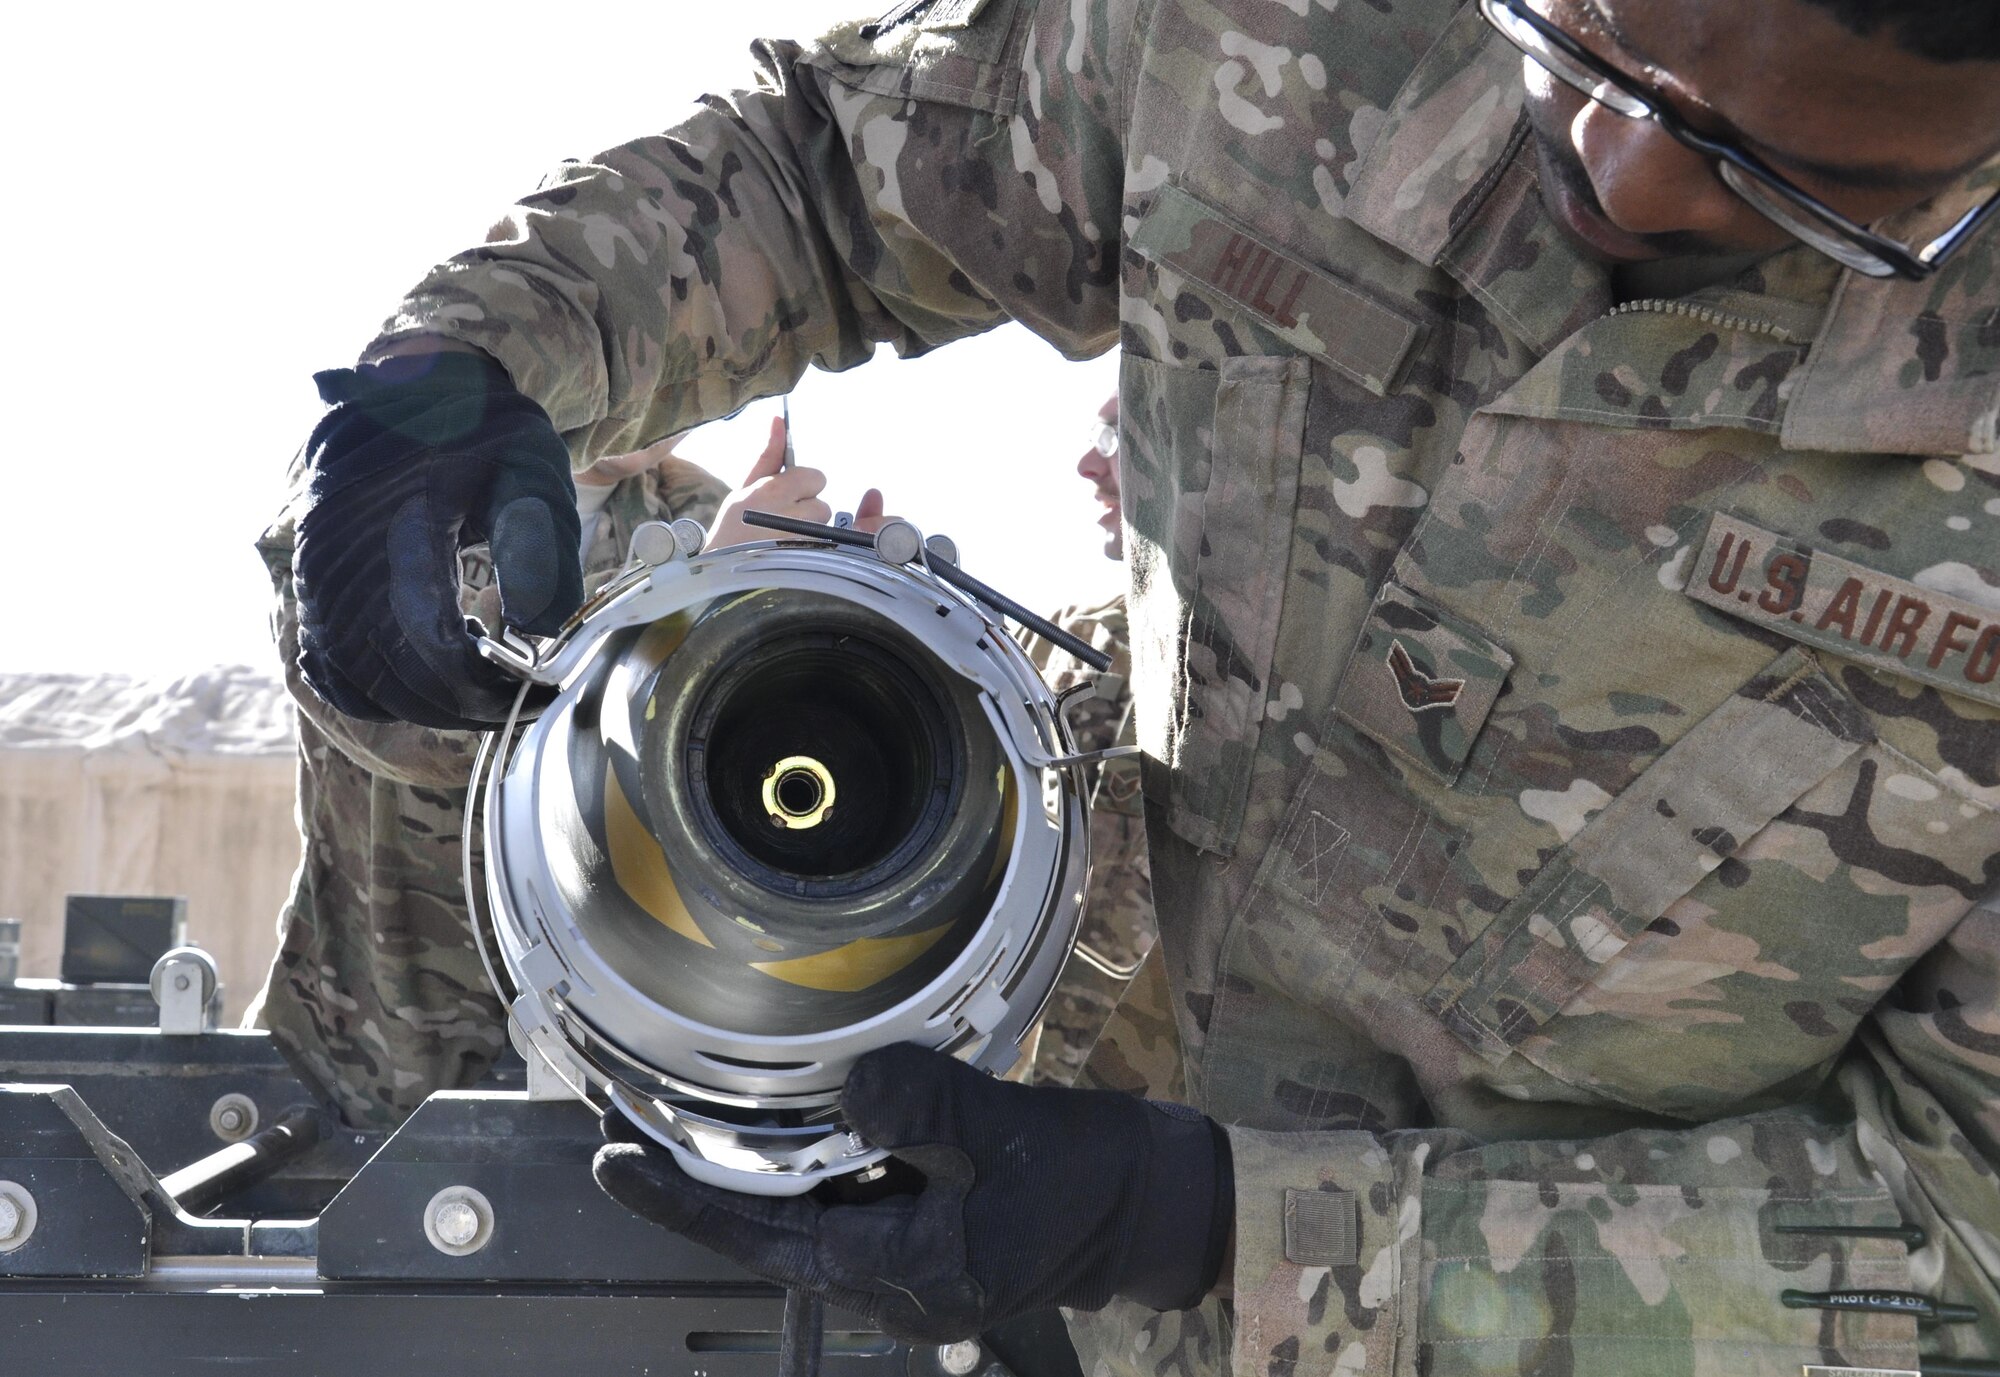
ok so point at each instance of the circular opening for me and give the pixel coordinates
(824, 758)
(798, 792)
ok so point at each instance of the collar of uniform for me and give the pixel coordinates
(1897, 367)
(1509, 254)
(1910, 367)
(1450, 123)
(1451, 180)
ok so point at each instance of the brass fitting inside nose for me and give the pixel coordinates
(798, 792)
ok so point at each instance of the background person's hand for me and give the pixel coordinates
(415, 458)
(794, 492)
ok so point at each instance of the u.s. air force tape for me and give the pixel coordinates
(1835, 604)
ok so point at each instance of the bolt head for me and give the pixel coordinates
(10, 1218)
(962, 1358)
(232, 1116)
(182, 981)
(457, 1223)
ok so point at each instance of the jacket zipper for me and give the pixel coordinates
(1707, 315)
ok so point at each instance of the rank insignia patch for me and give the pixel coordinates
(1422, 681)
(1420, 692)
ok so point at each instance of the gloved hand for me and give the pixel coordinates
(413, 460)
(1033, 1196)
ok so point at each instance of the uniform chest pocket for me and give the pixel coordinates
(1209, 470)
(1421, 682)
(1751, 896)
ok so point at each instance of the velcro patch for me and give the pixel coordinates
(1308, 309)
(1835, 604)
(1322, 1228)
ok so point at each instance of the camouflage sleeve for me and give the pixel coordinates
(1559, 1255)
(687, 491)
(913, 183)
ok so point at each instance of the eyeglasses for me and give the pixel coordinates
(1104, 438)
(1796, 212)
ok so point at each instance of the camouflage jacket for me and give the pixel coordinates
(1573, 731)
(1117, 929)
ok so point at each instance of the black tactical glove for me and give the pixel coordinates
(1032, 1197)
(416, 458)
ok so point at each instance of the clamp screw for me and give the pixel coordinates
(898, 542)
(653, 543)
(962, 1358)
(690, 535)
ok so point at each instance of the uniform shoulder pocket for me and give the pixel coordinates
(956, 52)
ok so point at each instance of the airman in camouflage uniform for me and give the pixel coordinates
(377, 995)
(1572, 724)
(1118, 928)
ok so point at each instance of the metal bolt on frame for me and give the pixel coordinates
(458, 1221)
(18, 1215)
(961, 1359)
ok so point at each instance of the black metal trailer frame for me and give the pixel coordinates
(469, 1241)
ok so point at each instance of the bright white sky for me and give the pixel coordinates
(210, 201)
